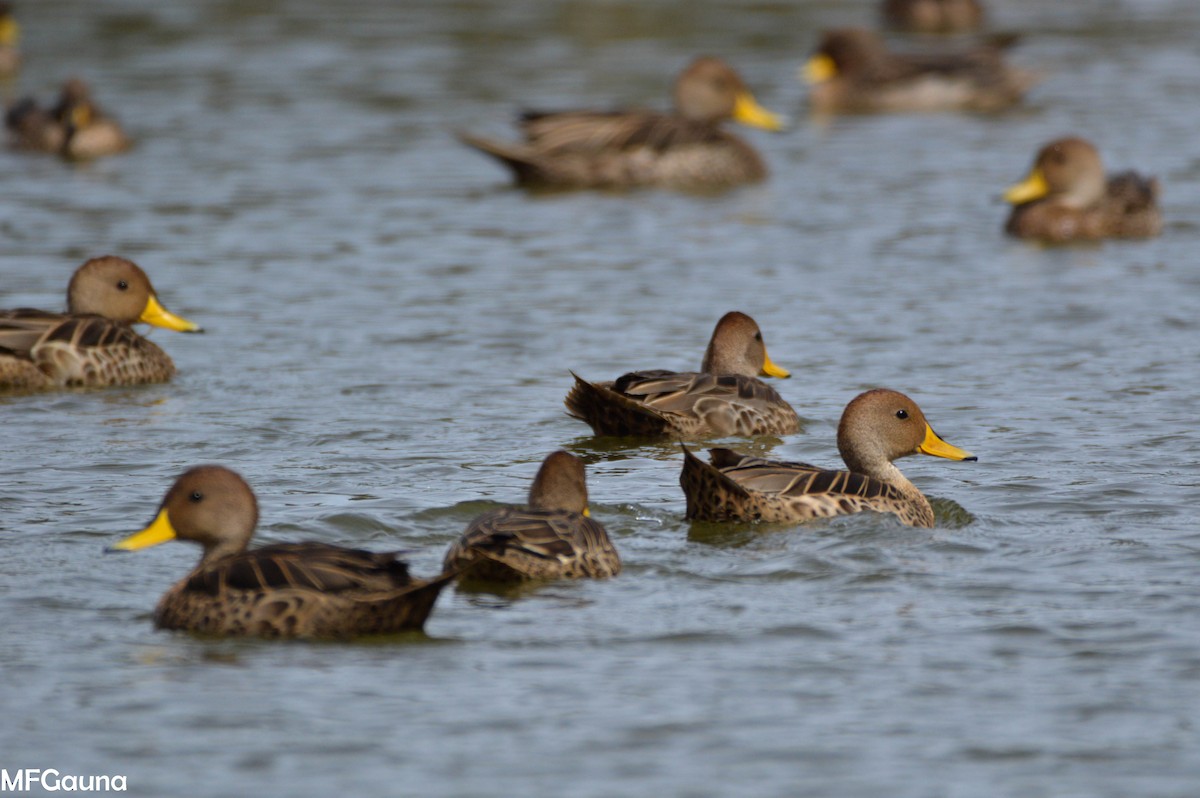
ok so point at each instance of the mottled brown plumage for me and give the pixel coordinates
(75, 128)
(877, 427)
(551, 538)
(92, 344)
(853, 71)
(1067, 197)
(724, 398)
(283, 590)
(686, 149)
(933, 16)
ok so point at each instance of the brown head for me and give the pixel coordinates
(845, 52)
(880, 426)
(75, 95)
(118, 289)
(1068, 171)
(709, 90)
(560, 484)
(209, 505)
(737, 347)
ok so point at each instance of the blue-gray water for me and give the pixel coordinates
(390, 332)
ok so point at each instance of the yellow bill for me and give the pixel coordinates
(159, 531)
(939, 448)
(819, 69)
(9, 31)
(1029, 189)
(154, 313)
(747, 111)
(769, 369)
(587, 513)
(80, 116)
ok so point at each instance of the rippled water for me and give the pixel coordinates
(390, 329)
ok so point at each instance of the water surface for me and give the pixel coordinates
(390, 332)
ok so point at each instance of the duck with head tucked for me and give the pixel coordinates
(553, 537)
(933, 16)
(307, 589)
(877, 427)
(853, 70)
(1067, 197)
(93, 344)
(687, 149)
(74, 128)
(724, 398)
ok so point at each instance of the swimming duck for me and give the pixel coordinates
(933, 16)
(92, 344)
(877, 427)
(553, 537)
(852, 70)
(74, 128)
(686, 149)
(10, 39)
(282, 590)
(724, 398)
(1067, 198)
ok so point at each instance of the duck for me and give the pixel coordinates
(93, 344)
(284, 590)
(10, 42)
(933, 16)
(877, 427)
(75, 127)
(1066, 197)
(724, 398)
(686, 149)
(853, 70)
(551, 537)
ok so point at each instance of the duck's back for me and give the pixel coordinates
(76, 351)
(300, 590)
(736, 487)
(514, 543)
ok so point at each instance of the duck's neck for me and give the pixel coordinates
(221, 550)
(887, 472)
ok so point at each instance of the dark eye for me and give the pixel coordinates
(121, 284)
(758, 337)
(196, 496)
(901, 414)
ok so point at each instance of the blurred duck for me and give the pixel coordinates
(687, 149)
(74, 128)
(724, 398)
(1066, 197)
(282, 590)
(933, 16)
(852, 70)
(93, 343)
(553, 537)
(10, 40)
(877, 427)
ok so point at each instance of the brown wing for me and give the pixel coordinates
(597, 132)
(788, 479)
(680, 392)
(537, 544)
(1129, 192)
(21, 329)
(85, 350)
(317, 567)
(720, 404)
